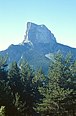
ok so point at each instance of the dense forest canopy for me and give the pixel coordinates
(25, 92)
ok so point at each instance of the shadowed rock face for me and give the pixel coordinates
(38, 47)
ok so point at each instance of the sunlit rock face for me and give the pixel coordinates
(38, 47)
(36, 34)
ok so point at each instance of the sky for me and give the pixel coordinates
(58, 15)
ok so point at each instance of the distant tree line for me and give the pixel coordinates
(25, 92)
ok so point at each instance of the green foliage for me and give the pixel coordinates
(57, 89)
(15, 78)
(24, 92)
(30, 89)
(3, 65)
(2, 111)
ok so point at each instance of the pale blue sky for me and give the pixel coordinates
(58, 15)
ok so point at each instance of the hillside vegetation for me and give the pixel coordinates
(25, 92)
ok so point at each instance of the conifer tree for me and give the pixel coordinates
(28, 95)
(16, 87)
(54, 94)
(68, 80)
(5, 90)
(3, 66)
(14, 78)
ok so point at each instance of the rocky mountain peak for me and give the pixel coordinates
(38, 34)
(38, 48)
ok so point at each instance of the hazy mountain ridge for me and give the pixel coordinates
(38, 43)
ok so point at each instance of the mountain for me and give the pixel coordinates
(38, 47)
